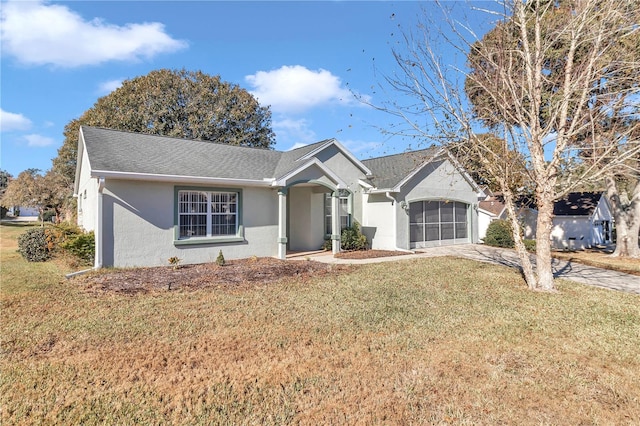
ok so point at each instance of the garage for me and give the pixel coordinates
(438, 222)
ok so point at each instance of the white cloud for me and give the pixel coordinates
(38, 140)
(37, 33)
(357, 146)
(288, 129)
(295, 89)
(107, 87)
(10, 121)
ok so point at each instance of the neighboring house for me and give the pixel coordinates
(149, 198)
(23, 211)
(581, 220)
(493, 208)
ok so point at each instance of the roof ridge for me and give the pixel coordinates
(179, 138)
(401, 153)
(310, 144)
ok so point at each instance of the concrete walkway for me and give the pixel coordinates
(573, 271)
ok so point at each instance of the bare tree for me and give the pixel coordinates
(531, 82)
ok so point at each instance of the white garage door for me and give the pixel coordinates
(433, 223)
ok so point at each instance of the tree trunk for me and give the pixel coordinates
(626, 214)
(543, 244)
(525, 261)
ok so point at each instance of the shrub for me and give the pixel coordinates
(530, 245)
(33, 246)
(47, 215)
(175, 262)
(499, 234)
(350, 239)
(59, 234)
(353, 239)
(220, 259)
(82, 246)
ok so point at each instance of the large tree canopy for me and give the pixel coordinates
(184, 104)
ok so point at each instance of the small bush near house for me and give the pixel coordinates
(220, 259)
(59, 234)
(353, 239)
(499, 234)
(350, 239)
(33, 246)
(82, 246)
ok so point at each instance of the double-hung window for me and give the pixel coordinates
(343, 208)
(207, 214)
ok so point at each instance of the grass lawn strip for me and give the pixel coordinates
(438, 340)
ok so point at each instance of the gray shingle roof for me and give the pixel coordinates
(126, 152)
(577, 204)
(289, 159)
(118, 151)
(390, 170)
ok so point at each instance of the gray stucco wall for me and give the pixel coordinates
(436, 181)
(306, 217)
(342, 166)
(138, 223)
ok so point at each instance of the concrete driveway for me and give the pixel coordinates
(573, 271)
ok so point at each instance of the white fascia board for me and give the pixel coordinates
(343, 149)
(365, 185)
(79, 156)
(179, 179)
(382, 191)
(487, 212)
(282, 181)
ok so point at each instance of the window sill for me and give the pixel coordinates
(212, 240)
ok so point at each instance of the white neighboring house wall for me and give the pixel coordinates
(571, 232)
(23, 211)
(581, 232)
(484, 219)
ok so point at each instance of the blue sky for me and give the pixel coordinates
(305, 59)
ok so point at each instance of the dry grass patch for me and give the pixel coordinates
(601, 259)
(430, 341)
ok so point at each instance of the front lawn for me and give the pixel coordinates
(436, 340)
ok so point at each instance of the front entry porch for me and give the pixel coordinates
(302, 218)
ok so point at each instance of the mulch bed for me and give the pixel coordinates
(369, 254)
(234, 274)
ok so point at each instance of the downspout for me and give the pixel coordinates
(395, 223)
(98, 228)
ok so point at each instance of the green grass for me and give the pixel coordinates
(440, 340)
